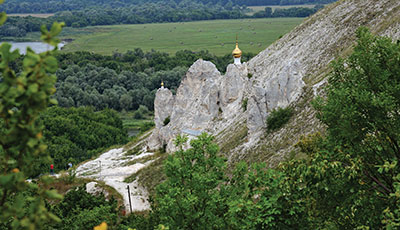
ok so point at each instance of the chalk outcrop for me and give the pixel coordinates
(279, 76)
(207, 101)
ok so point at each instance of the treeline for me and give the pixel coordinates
(103, 88)
(139, 61)
(53, 6)
(124, 81)
(146, 13)
(20, 26)
(77, 134)
(290, 12)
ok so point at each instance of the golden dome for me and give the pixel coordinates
(162, 84)
(237, 53)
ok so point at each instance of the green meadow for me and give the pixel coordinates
(274, 7)
(217, 36)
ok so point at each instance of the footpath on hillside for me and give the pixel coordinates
(112, 167)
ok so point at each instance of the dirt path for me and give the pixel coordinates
(112, 168)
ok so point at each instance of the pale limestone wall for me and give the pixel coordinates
(211, 102)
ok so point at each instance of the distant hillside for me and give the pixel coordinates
(52, 6)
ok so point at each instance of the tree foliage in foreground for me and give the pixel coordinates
(81, 210)
(199, 195)
(362, 111)
(22, 98)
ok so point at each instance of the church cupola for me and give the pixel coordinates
(237, 53)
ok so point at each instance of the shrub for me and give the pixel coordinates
(244, 104)
(138, 115)
(167, 120)
(278, 118)
(141, 112)
(143, 109)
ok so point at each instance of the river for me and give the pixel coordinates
(38, 47)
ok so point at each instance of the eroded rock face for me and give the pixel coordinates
(233, 84)
(197, 98)
(163, 106)
(196, 104)
(277, 89)
(208, 101)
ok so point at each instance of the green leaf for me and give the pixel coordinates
(31, 59)
(49, 36)
(5, 179)
(33, 88)
(54, 217)
(52, 194)
(53, 101)
(3, 18)
(56, 28)
(51, 64)
(32, 142)
(7, 55)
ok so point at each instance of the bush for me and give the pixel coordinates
(167, 120)
(143, 110)
(278, 118)
(138, 115)
(81, 210)
(244, 104)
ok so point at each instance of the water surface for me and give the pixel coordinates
(38, 47)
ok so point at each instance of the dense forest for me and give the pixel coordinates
(74, 135)
(124, 81)
(53, 6)
(77, 134)
(144, 13)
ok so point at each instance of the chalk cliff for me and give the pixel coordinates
(290, 72)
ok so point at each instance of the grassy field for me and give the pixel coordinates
(33, 15)
(261, 8)
(136, 126)
(217, 36)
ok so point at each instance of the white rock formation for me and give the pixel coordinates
(95, 189)
(211, 102)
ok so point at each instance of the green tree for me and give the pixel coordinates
(351, 177)
(199, 195)
(23, 97)
(189, 199)
(278, 118)
(260, 198)
(81, 210)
